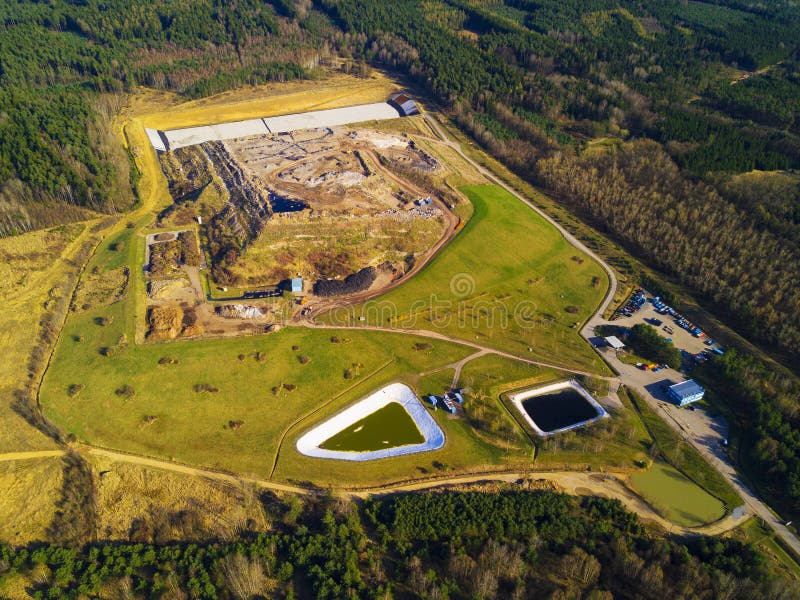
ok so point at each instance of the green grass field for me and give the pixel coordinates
(131, 402)
(240, 404)
(676, 497)
(508, 280)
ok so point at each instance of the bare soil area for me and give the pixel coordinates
(318, 204)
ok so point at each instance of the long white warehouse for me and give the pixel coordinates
(191, 136)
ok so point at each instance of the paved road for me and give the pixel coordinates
(697, 427)
(632, 377)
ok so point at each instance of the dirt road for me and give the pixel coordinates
(574, 483)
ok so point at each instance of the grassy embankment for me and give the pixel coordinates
(164, 110)
(508, 280)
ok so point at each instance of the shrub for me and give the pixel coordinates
(295, 348)
(74, 389)
(572, 309)
(303, 359)
(149, 419)
(103, 321)
(125, 391)
(289, 387)
(419, 346)
(168, 360)
(241, 357)
(205, 387)
(235, 424)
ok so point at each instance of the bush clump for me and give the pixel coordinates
(205, 387)
(303, 359)
(168, 360)
(647, 343)
(420, 346)
(357, 282)
(74, 389)
(125, 391)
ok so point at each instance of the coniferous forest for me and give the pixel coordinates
(672, 125)
(512, 544)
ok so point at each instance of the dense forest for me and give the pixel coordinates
(509, 544)
(65, 66)
(535, 81)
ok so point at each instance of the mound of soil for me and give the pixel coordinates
(352, 284)
(166, 322)
(239, 311)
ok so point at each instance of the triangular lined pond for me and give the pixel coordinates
(387, 427)
(390, 422)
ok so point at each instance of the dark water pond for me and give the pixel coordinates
(281, 204)
(558, 409)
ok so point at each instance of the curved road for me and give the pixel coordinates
(717, 459)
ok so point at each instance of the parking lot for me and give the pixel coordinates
(681, 338)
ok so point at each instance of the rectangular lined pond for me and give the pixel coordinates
(557, 407)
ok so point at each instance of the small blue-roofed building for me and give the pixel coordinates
(459, 398)
(685, 392)
(297, 285)
(433, 400)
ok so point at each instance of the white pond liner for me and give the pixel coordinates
(309, 443)
(518, 398)
(332, 117)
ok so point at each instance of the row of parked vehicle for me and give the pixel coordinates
(680, 320)
(636, 302)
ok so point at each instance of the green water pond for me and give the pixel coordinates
(387, 427)
(676, 497)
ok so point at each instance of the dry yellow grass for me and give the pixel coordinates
(32, 266)
(162, 110)
(27, 503)
(127, 494)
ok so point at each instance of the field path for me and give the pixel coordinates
(573, 483)
(446, 338)
(12, 456)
